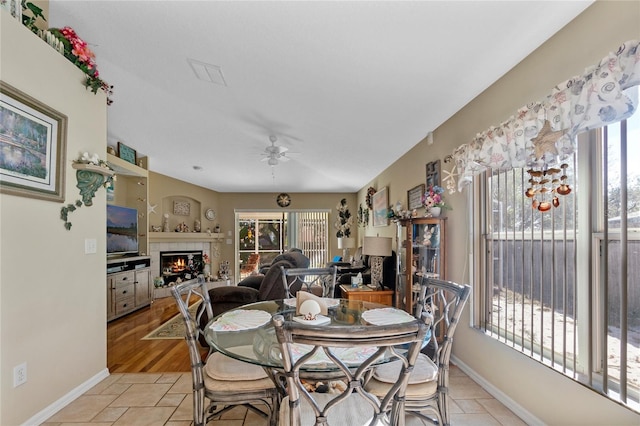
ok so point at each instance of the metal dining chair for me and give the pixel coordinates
(320, 281)
(223, 381)
(353, 350)
(427, 393)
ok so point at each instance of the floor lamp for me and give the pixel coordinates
(346, 243)
(376, 248)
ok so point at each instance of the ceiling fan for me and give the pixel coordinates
(274, 154)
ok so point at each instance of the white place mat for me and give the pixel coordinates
(350, 356)
(386, 316)
(241, 319)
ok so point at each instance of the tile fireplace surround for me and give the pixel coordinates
(156, 248)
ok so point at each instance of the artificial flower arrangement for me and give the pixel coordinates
(433, 198)
(344, 221)
(72, 47)
(77, 51)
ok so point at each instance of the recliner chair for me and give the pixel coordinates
(254, 288)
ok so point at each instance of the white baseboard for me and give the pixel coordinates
(519, 411)
(58, 405)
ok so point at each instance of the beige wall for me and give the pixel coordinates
(543, 393)
(52, 295)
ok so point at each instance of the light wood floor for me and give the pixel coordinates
(127, 353)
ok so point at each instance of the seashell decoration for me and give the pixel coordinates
(545, 187)
(309, 309)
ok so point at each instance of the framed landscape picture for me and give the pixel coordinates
(32, 146)
(380, 202)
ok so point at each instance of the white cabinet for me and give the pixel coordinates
(128, 285)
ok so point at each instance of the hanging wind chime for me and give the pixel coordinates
(545, 185)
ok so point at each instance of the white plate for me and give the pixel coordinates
(327, 301)
(386, 316)
(241, 319)
(320, 319)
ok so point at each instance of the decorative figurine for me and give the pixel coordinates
(165, 223)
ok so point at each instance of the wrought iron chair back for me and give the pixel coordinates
(231, 393)
(351, 404)
(324, 279)
(444, 301)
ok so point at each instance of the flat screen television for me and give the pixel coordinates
(122, 230)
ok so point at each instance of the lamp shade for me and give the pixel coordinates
(376, 246)
(346, 243)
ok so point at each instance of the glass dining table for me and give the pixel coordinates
(247, 333)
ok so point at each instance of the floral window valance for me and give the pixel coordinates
(601, 95)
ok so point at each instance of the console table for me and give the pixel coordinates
(367, 294)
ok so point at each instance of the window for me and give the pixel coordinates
(563, 287)
(271, 233)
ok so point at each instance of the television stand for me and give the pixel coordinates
(128, 285)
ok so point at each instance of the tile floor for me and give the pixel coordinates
(165, 399)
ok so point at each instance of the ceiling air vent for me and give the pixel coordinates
(207, 72)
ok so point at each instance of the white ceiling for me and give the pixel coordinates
(349, 86)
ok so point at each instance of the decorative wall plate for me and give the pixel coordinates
(210, 214)
(284, 199)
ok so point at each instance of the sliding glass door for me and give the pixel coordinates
(269, 233)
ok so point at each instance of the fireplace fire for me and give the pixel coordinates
(184, 265)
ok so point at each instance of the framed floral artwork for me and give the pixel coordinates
(380, 202)
(182, 208)
(33, 145)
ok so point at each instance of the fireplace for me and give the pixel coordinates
(180, 264)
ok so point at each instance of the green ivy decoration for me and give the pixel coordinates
(64, 213)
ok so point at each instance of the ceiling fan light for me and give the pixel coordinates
(273, 161)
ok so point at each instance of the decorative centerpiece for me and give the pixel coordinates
(433, 201)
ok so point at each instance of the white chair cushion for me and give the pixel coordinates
(415, 391)
(234, 386)
(222, 367)
(352, 411)
(424, 370)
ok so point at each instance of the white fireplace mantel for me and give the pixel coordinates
(191, 237)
